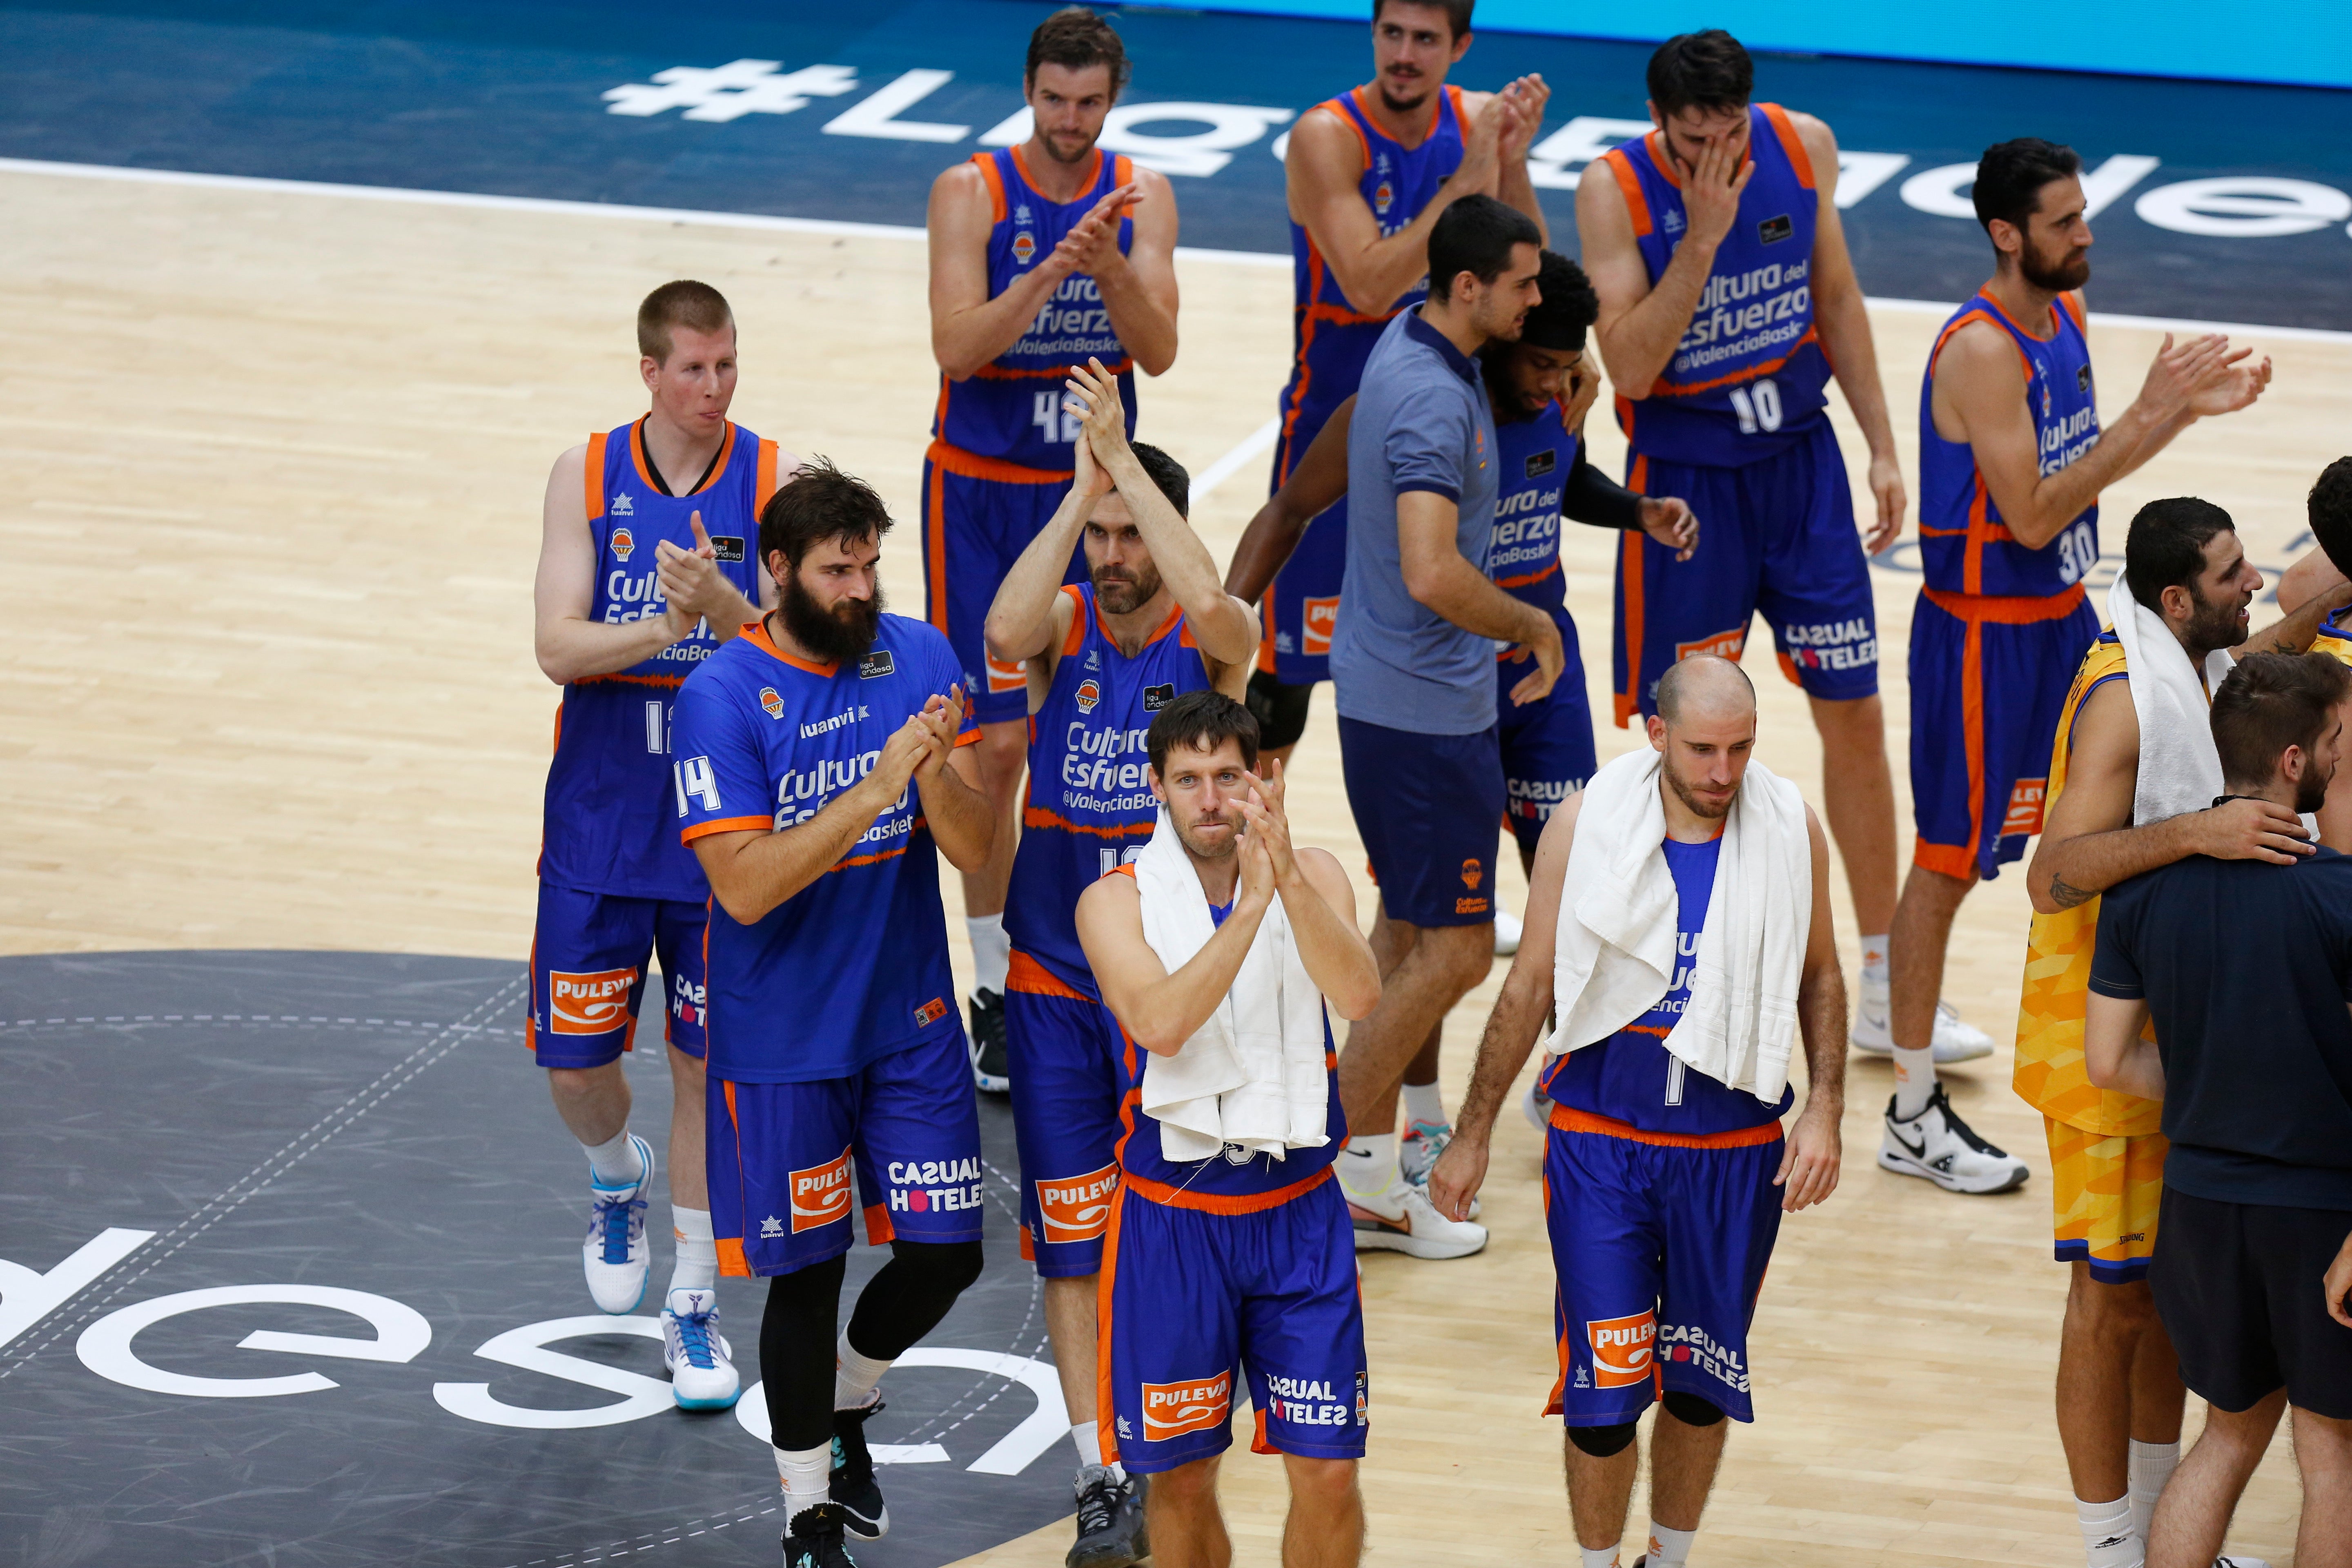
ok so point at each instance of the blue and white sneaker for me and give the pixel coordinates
(616, 1254)
(701, 1368)
(1418, 1150)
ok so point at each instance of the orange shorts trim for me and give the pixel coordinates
(1211, 1203)
(2017, 611)
(1950, 859)
(1568, 1120)
(1031, 978)
(948, 460)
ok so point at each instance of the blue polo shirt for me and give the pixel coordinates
(2246, 968)
(1423, 423)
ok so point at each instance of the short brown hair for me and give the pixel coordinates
(1201, 722)
(684, 303)
(1457, 13)
(1074, 38)
(2270, 701)
(817, 503)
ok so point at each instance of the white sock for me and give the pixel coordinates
(697, 1268)
(1873, 961)
(1086, 1437)
(1422, 1102)
(616, 1161)
(1368, 1165)
(1669, 1548)
(1915, 1080)
(854, 1375)
(2152, 1465)
(992, 951)
(807, 1475)
(1598, 1556)
(2108, 1539)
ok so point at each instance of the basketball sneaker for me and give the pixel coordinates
(616, 1255)
(813, 1539)
(853, 1486)
(1957, 1040)
(1939, 1145)
(1417, 1153)
(1401, 1219)
(989, 1067)
(1508, 932)
(1111, 1520)
(700, 1360)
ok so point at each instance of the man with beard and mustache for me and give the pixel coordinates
(1150, 623)
(2115, 810)
(813, 782)
(1043, 256)
(2011, 461)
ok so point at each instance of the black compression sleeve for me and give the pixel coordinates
(1590, 496)
(796, 1353)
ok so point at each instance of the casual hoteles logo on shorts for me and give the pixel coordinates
(594, 1003)
(1622, 1349)
(1078, 1208)
(1172, 1409)
(820, 1194)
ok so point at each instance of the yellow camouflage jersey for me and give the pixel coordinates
(2058, 966)
(2335, 638)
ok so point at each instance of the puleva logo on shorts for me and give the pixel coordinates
(1172, 1409)
(1622, 1349)
(931, 1013)
(1319, 616)
(1088, 694)
(2024, 807)
(1078, 1209)
(624, 543)
(594, 1003)
(820, 1194)
(1003, 677)
(1724, 644)
(771, 702)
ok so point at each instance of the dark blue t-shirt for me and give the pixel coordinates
(2246, 968)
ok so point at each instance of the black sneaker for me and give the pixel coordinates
(989, 1066)
(813, 1539)
(1111, 1520)
(854, 1493)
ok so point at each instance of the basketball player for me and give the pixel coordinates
(1727, 295)
(1150, 623)
(2329, 511)
(2120, 1393)
(1367, 174)
(1043, 256)
(2011, 462)
(643, 573)
(1239, 1262)
(1664, 1186)
(812, 781)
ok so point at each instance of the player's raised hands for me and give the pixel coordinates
(1711, 194)
(1670, 521)
(909, 748)
(1480, 171)
(2178, 372)
(2230, 385)
(1093, 395)
(1092, 244)
(1262, 810)
(1528, 94)
(1259, 883)
(941, 718)
(690, 579)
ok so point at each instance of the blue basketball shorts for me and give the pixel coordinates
(1776, 535)
(1302, 604)
(1660, 1241)
(588, 953)
(1546, 746)
(1426, 806)
(1061, 1051)
(781, 1156)
(1989, 680)
(1191, 1299)
(978, 516)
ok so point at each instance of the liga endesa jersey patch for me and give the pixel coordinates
(1172, 1409)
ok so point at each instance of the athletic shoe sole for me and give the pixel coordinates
(1903, 1167)
(1945, 1055)
(1379, 1235)
(864, 1528)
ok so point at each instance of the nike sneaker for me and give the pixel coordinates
(1417, 1153)
(814, 1539)
(616, 1255)
(1957, 1040)
(853, 1489)
(1402, 1220)
(1111, 1520)
(1507, 931)
(700, 1360)
(989, 1067)
(1936, 1144)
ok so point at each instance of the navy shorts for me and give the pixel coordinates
(781, 1155)
(1062, 1049)
(1546, 746)
(1777, 536)
(1426, 806)
(588, 953)
(1302, 603)
(978, 516)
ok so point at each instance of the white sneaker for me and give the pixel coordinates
(1417, 1153)
(701, 1371)
(1956, 1040)
(1537, 1109)
(1507, 931)
(1402, 1220)
(1939, 1145)
(616, 1254)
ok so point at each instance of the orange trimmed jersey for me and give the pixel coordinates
(607, 826)
(1090, 806)
(854, 966)
(2058, 948)
(1964, 546)
(1747, 379)
(1011, 410)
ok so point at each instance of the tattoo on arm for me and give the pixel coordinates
(2065, 895)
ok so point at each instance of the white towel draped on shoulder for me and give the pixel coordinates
(1253, 1073)
(2179, 767)
(1616, 949)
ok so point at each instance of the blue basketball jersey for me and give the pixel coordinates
(1523, 552)
(607, 826)
(1090, 805)
(1011, 409)
(1749, 377)
(1630, 1077)
(1964, 546)
(854, 966)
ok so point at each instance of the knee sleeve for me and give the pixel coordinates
(1691, 1410)
(1280, 709)
(796, 1334)
(1601, 1442)
(909, 1295)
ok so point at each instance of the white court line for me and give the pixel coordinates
(689, 215)
(1256, 444)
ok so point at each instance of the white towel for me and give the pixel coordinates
(1253, 1073)
(1616, 949)
(2179, 770)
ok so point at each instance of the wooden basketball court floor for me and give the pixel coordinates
(275, 463)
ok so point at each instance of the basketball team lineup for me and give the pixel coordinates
(1410, 960)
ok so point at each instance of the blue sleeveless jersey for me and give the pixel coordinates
(1748, 378)
(854, 966)
(1523, 552)
(1964, 546)
(1090, 805)
(1010, 411)
(608, 825)
(1331, 339)
(1630, 1077)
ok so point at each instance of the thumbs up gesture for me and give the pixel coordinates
(690, 579)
